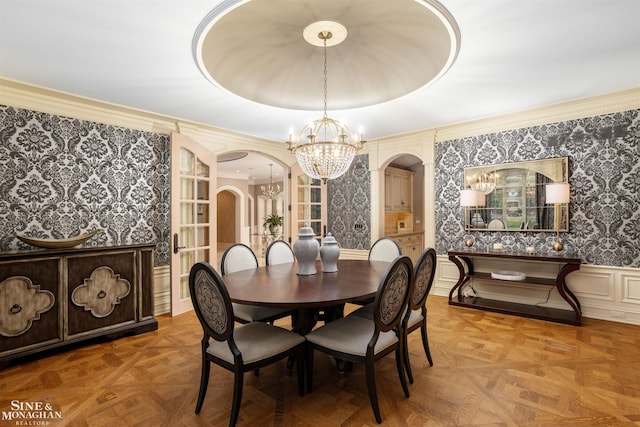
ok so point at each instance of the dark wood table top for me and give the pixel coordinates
(549, 257)
(280, 286)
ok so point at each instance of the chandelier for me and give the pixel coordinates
(270, 191)
(325, 148)
(485, 182)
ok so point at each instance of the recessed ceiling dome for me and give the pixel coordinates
(256, 50)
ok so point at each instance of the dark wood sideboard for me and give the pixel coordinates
(464, 261)
(54, 297)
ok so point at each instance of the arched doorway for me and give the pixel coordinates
(404, 203)
(244, 177)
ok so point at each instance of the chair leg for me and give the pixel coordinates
(400, 360)
(425, 342)
(309, 366)
(371, 388)
(238, 383)
(407, 363)
(204, 383)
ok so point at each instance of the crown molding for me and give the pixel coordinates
(570, 110)
(37, 98)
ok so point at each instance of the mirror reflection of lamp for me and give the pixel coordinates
(470, 198)
(557, 194)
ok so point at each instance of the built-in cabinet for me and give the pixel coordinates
(398, 203)
(398, 187)
(51, 298)
(411, 244)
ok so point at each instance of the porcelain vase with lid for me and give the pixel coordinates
(329, 254)
(306, 250)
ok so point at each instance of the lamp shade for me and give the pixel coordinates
(469, 197)
(557, 193)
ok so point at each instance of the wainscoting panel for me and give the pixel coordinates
(630, 288)
(593, 283)
(607, 293)
(162, 289)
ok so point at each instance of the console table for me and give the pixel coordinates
(464, 259)
(54, 297)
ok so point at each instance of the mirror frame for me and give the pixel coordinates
(517, 203)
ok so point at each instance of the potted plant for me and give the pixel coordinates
(274, 222)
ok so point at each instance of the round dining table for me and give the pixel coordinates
(280, 286)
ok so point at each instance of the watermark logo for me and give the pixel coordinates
(26, 413)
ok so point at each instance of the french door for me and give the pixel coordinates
(308, 203)
(193, 205)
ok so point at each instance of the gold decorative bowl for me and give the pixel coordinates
(59, 243)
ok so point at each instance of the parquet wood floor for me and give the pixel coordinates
(489, 370)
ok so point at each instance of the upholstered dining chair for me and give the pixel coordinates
(416, 316)
(238, 257)
(279, 252)
(384, 249)
(248, 347)
(357, 339)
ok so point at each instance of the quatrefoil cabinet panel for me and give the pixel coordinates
(24, 322)
(21, 303)
(98, 293)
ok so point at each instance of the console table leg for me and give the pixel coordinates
(463, 276)
(564, 290)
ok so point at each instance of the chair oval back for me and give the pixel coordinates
(384, 249)
(423, 275)
(279, 252)
(393, 293)
(238, 257)
(211, 301)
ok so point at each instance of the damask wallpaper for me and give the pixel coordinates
(604, 176)
(60, 177)
(349, 209)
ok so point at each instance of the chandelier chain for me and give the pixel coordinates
(324, 39)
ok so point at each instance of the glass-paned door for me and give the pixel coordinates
(308, 203)
(192, 221)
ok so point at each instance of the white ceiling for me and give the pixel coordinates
(514, 55)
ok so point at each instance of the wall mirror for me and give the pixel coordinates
(515, 196)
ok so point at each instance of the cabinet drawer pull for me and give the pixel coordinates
(15, 309)
(102, 294)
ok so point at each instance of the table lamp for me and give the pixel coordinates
(469, 198)
(557, 194)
